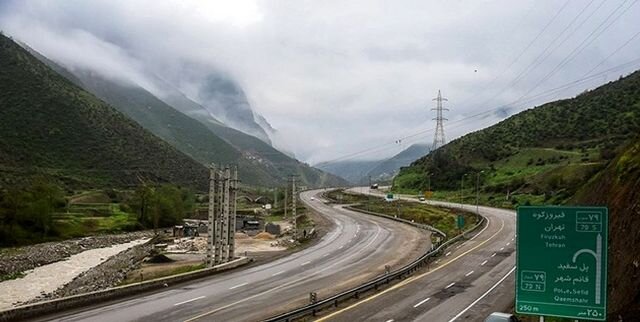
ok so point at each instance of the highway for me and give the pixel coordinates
(357, 249)
(469, 282)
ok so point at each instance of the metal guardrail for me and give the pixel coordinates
(355, 292)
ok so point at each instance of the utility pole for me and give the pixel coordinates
(218, 220)
(222, 214)
(461, 191)
(275, 197)
(478, 192)
(293, 207)
(225, 214)
(232, 215)
(211, 229)
(438, 138)
(286, 204)
(369, 196)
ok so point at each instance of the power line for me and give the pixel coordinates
(541, 57)
(582, 45)
(613, 53)
(537, 61)
(538, 35)
(521, 100)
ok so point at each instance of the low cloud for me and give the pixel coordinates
(333, 77)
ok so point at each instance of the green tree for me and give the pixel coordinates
(141, 203)
(162, 206)
(12, 203)
(45, 198)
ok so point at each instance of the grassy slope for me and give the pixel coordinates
(543, 154)
(50, 126)
(207, 142)
(618, 187)
(179, 130)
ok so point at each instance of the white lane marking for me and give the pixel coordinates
(305, 263)
(448, 286)
(447, 254)
(239, 285)
(458, 246)
(191, 300)
(390, 320)
(340, 247)
(325, 255)
(494, 254)
(483, 263)
(468, 273)
(422, 302)
(508, 244)
(512, 239)
(483, 229)
(281, 286)
(502, 248)
(278, 273)
(438, 261)
(483, 295)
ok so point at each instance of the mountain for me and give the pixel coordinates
(51, 127)
(387, 169)
(618, 187)
(185, 133)
(353, 171)
(543, 154)
(223, 98)
(358, 172)
(192, 129)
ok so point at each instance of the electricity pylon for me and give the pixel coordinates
(438, 138)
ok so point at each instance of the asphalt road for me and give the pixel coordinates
(472, 280)
(356, 250)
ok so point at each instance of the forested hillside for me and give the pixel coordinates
(618, 187)
(50, 127)
(543, 154)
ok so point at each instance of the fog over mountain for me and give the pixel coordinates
(334, 77)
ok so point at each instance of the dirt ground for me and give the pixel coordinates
(189, 253)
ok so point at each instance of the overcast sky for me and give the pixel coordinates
(338, 77)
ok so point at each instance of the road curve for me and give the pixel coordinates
(472, 280)
(356, 249)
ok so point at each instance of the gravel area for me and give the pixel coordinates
(48, 278)
(20, 259)
(108, 274)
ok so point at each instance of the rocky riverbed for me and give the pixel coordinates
(49, 280)
(20, 259)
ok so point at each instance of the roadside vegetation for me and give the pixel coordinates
(441, 218)
(539, 156)
(43, 211)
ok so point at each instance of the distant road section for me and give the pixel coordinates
(357, 249)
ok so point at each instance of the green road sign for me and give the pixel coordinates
(460, 221)
(561, 261)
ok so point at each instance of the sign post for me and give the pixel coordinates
(561, 261)
(460, 222)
